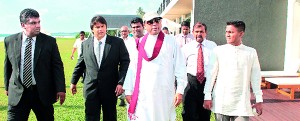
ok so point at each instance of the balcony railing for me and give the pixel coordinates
(163, 6)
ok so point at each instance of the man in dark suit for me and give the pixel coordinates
(105, 59)
(33, 71)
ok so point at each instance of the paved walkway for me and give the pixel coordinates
(277, 107)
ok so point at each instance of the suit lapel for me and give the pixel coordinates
(106, 48)
(18, 46)
(37, 50)
(90, 49)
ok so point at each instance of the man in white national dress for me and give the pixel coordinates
(149, 86)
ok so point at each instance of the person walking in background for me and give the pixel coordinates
(77, 45)
(233, 68)
(149, 86)
(131, 48)
(165, 30)
(137, 27)
(185, 36)
(33, 71)
(105, 59)
(197, 54)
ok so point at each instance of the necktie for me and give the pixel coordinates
(27, 69)
(200, 65)
(98, 54)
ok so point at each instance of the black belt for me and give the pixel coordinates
(188, 74)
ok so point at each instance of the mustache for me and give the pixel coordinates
(199, 37)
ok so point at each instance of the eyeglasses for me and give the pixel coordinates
(156, 20)
(124, 31)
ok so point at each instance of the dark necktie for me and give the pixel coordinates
(200, 65)
(27, 68)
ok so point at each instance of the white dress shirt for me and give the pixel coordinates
(184, 39)
(24, 43)
(77, 45)
(232, 70)
(190, 51)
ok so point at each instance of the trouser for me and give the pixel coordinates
(220, 117)
(106, 102)
(30, 100)
(193, 99)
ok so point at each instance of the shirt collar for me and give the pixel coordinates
(196, 44)
(237, 47)
(103, 40)
(25, 37)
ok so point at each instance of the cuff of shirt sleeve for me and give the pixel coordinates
(128, 92)
(259, 99)
(207, 96)
(180, 89)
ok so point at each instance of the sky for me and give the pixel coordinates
(67, 15)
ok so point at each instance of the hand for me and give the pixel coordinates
(178, 99)
(258, 107)
(73, 89)
(6, 92)
(128, 98)
(207, 104)
(72, 57)
(119, 90)
(61, 96)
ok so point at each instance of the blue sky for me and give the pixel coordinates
(67, 15)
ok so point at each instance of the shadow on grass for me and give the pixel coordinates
(3, 108)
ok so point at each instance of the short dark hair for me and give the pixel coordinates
(185, 23)
(137, 20)
(97, 19)
(240, 25)
(82, 32)
(165, 28)
(199, 24)
(28, 13)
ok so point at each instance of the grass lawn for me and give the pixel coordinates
(73, 108)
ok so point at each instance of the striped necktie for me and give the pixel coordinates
(200, 65)
(27, 69)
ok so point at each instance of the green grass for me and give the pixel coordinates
(73, 108)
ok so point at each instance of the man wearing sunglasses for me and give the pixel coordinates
(149, 86)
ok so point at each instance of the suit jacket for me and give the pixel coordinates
(112, 71)
(48, 69)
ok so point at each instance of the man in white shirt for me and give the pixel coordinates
(185, 36)
(131, 48)
(149, 86)
(77, 45)
(193, 94)
(233, 68)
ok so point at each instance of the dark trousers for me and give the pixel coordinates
(30, 100)
(104, 101)
(193, 99)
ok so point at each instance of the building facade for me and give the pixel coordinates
(272, 26)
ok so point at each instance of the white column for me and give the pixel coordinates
(292, 49)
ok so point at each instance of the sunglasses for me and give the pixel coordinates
(156, 20)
